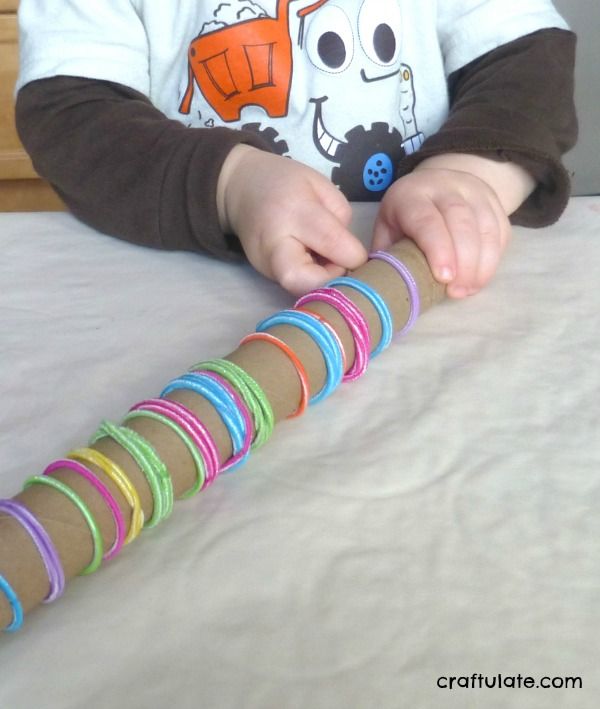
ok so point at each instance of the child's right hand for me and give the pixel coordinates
(292, 222)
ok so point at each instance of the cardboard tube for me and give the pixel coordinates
(20, 562)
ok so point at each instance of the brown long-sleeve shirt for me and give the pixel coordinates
(127, 170)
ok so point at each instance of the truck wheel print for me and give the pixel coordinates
(278, 145)
(367, 162)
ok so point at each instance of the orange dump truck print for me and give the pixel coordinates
(248, 63)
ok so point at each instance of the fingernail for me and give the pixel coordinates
(445, 274)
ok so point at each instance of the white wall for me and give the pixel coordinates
(584, 159)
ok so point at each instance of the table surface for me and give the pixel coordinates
(437, 518)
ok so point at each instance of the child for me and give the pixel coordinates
(173, 125)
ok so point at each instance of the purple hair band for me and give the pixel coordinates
(45, 546)
(411, 286)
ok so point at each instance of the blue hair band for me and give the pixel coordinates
(324, 339)
(216, 394)
(15, 604)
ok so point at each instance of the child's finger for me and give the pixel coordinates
(494, 236)
(324, 234)
(336, 202)
(421, 221)
(293, 267)
(464, 230)
(383, 236)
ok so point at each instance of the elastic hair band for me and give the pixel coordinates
(324, 340)
(197, 431)
(331, 329)
(43, 543)
(250, 391)
(15, 604)
(378, 303)
(110, 501)
(409, 281)
(116, 473)
(293, 357)
(165, 417)
(232, 412)
(239, 407)
(85, 511)
(355, 321)
(148, 461)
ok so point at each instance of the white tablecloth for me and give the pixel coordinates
(438, 518)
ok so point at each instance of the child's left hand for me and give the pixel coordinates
(455, 216)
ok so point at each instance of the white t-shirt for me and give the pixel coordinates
(347, 86)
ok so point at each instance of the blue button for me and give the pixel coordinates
(378, 173)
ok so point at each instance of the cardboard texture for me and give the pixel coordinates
(20, 562)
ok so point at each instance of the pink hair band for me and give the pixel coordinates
(355, 320)
(85, 472)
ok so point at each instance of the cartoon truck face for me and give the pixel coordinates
(247, 63)
(246, 58)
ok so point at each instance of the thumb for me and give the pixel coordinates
(295, 269)
(383, 236)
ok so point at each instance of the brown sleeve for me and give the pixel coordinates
(515, 104)
(124, 168)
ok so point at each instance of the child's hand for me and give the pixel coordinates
(449, 208)
(292, 221)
